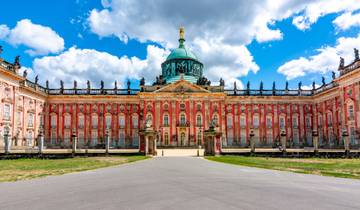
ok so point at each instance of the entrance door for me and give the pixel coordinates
(209, 145)
(182, 139)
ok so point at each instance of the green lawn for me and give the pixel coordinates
(19, 169)
(346, 168)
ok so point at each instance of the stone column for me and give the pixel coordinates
(7, 142)
(146, 145)
(252, 141)
(283, 140)
(40, 140)
(345, 136)
(315, 138)
(74, 142)
(107, 142)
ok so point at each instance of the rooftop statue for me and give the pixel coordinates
(142, 81)
(1, 49)
(323, 81)
(222, 82)
(342, 63)
(115, 85)
(333, 75)
(88, 85)
(36, 79)
(75, 84)
(287, 85)
(313, 86)
(17, 60)
(299, 85)
(356, 52)
(101, 85)
(25, 73)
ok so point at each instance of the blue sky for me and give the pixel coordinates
(239, 41)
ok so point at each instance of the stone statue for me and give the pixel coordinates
(47, 84)
(299, 85)
(333, 75)
(101, 85)
(1, 49)
(212, 124)
(235, 85)
(142, 81)
(342, 63)
(323, 81)
(88, 85)
(148, 123)
(36, 79)
(75, 84)
(128, 84)
(274, 86)
(248, 85)
(222, 82)
(261, 86)
(287, 85)
(115, 85)
(313, 86)
(356, 52)
(61, 85)
(25, 73)
(17, 60)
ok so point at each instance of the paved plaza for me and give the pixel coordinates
(181, 183)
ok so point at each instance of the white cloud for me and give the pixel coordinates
(40, 39)
(89, 64)
(326, 59)
(347, 20)
(4, 31)
(224, 29)
(225, 61)
(313, 11)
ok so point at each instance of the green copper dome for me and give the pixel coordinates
(181, 53)
(181, 61)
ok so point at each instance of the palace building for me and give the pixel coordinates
(179, 107)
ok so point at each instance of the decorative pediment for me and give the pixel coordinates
(182, 86)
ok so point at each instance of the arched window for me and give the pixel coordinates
(29, 138)
(295, 122)
(67, 121)
(81, 122)
(30, 120)
(53, 121)
(269, 122)
(182, 119)
(166, 120)
(135, 139)
(351, 112)
(282, 122)
(229, 121)
(329, 118)
(122, 138)
(256, 121)
(199, 138)
(122, 121)
(94, 121)
(166, 137)
(242, 122)
(198, 120)
(216, 119)
(135, 121)
(108, 121)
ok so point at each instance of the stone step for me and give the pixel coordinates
(180, 152)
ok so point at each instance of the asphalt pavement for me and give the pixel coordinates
(181, 183)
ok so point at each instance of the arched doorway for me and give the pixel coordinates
(182, 139)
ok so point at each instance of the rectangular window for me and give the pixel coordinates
(256, 122)
(7, 111)
(307, 122)
(81, 122)
(30, 120)
(122, 122)
(295, 122)
(53, 121)
(243, 122)
(229, 122)
(351, 112)
(166, 120)
(135, 121)
(108, 121)
(269, 122)
(67, 121)
(282, 123)
(94, 121)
